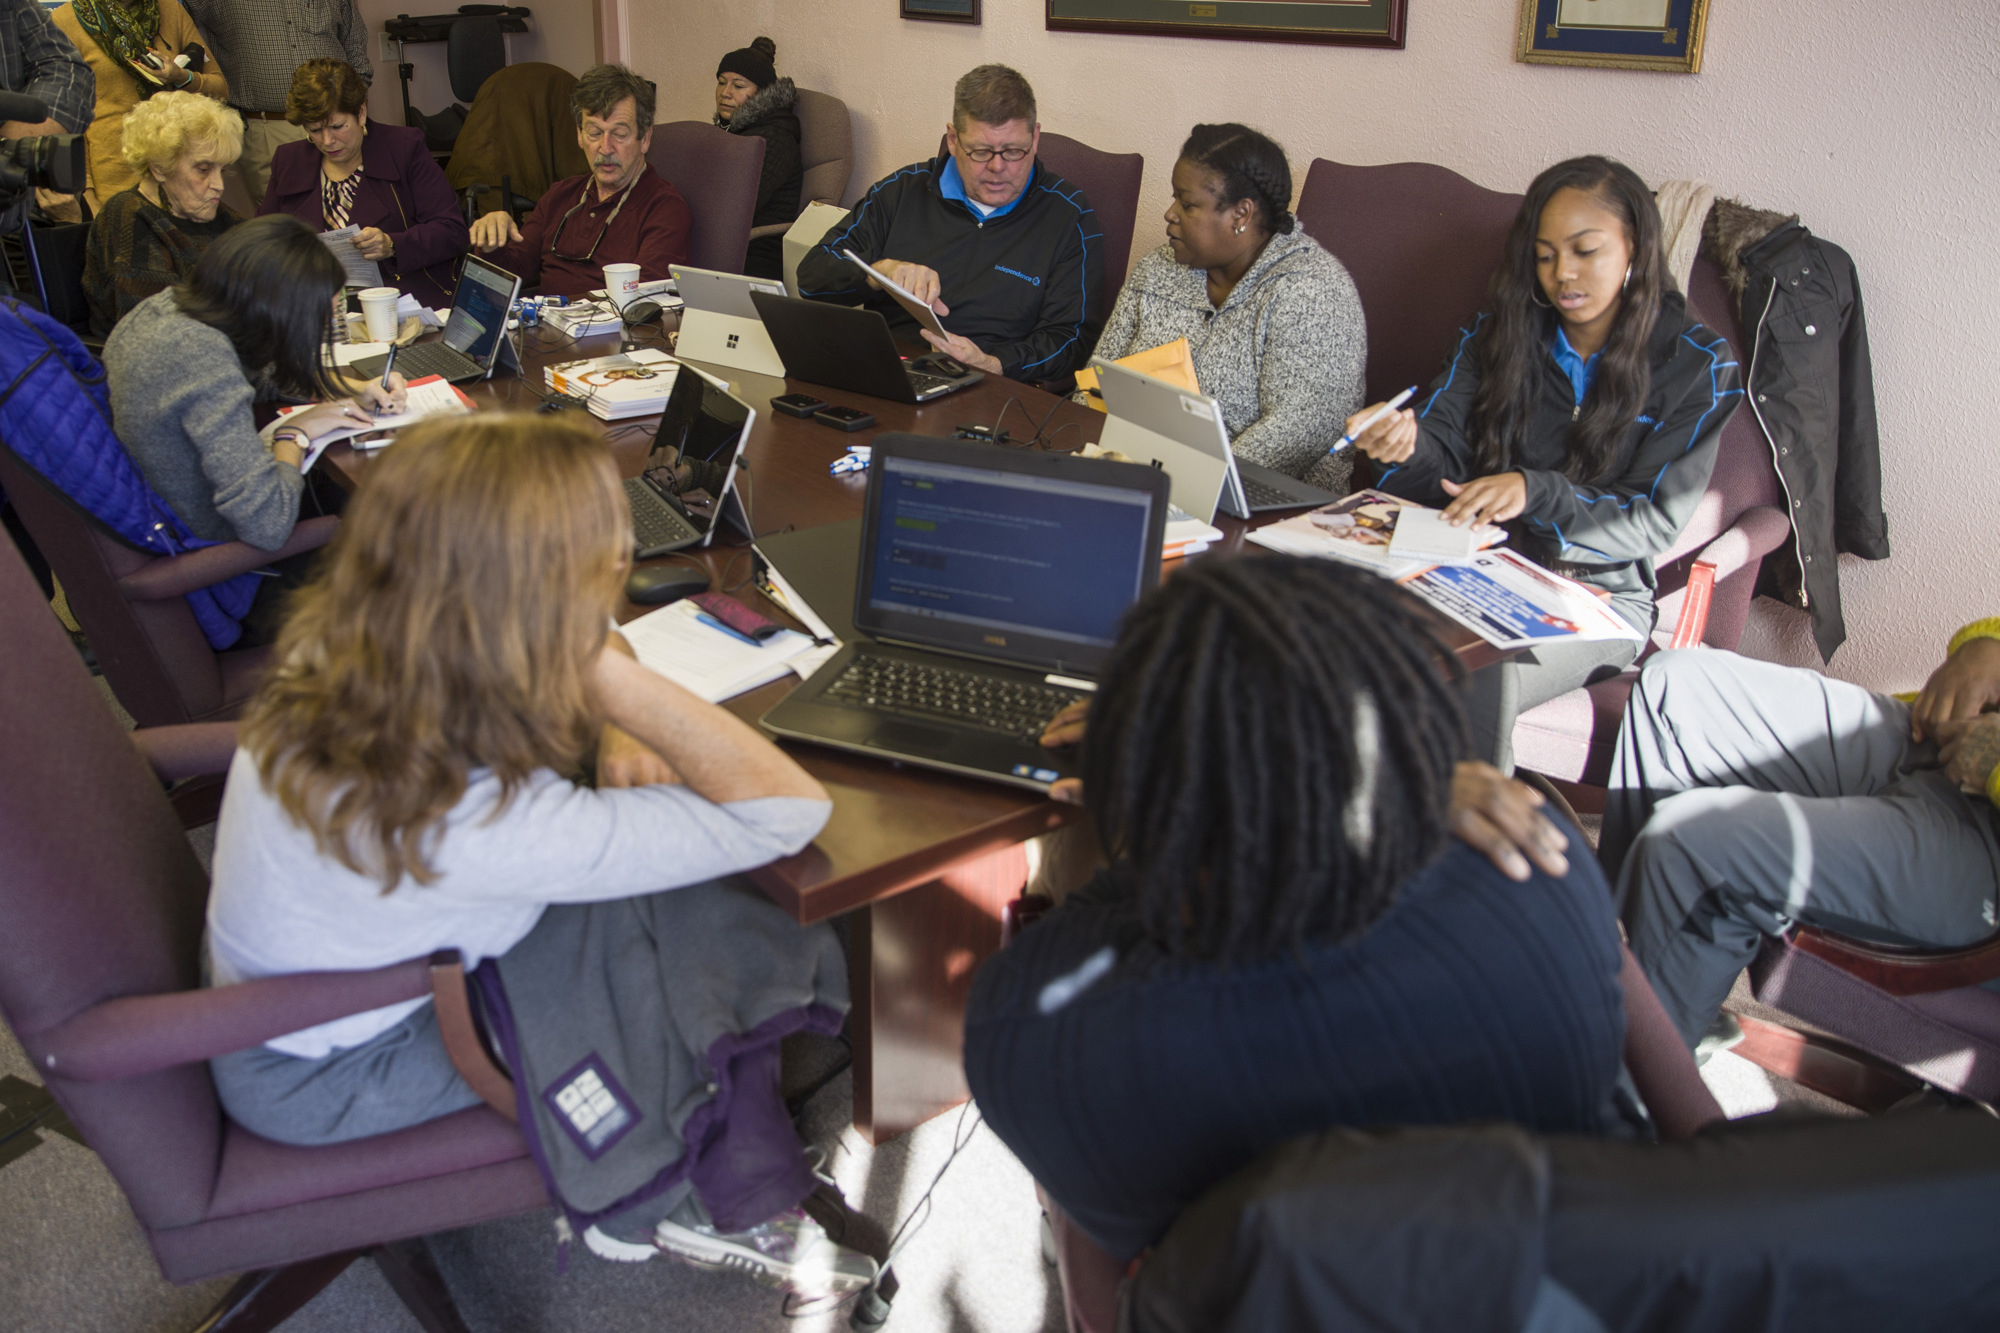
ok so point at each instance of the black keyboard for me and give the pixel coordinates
(421, 359)
(942, 693)
(657, 527)
(1262, 495)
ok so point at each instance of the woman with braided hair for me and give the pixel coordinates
(1286, 936)
(1273, 320)
(1582, 410)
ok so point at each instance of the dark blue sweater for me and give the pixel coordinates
(1473, 998)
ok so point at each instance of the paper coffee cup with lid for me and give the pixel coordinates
(378, 312)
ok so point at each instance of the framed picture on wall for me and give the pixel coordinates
(942, 11)
(1332, 22)
(1662, 35)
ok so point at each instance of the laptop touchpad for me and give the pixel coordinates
(912, 737)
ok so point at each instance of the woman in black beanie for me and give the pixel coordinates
(750, 98)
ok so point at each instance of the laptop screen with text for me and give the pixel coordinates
(479, 310)
(1003, 563)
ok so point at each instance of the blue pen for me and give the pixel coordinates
(1373, 417)
(710, 621)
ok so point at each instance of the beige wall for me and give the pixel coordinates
(1877, 123)
(561, 32)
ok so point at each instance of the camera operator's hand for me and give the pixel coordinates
(21, 129)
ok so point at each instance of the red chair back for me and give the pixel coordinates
(1421, 243)
(717, 173)
(151, 651)
(1111, 182)
(102, 897)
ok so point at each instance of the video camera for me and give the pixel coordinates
(43, 161)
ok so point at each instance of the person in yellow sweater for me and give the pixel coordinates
(130, 46)
(1746, 796)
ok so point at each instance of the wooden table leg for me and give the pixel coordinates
(910, 965)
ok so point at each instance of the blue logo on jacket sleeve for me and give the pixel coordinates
(1017, 273)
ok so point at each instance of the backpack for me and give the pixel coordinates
(55, 416)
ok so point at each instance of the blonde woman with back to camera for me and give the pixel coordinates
(410, 780)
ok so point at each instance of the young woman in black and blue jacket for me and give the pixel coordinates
(1581, 410)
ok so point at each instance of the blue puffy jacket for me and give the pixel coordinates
(56, 417)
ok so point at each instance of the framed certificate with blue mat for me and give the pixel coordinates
(1662, 35)
(1332, 22)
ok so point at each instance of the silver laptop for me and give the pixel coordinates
(475, 341)
(719, 325)
(989, 594)
(1153, 421)
(702, 419)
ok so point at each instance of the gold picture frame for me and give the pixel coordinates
(1623, 34)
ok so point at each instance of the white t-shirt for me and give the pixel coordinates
(276, 905)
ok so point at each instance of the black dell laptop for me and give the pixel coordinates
(990, 591)
(845, 347)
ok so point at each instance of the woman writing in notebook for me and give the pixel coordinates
(1272, 319)
(1581, 410)
(252, 323)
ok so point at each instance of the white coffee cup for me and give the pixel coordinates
(378, 311)
(621, 283)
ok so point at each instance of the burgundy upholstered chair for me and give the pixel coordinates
(132, 604)
(1421, 243)
(1111, 182)
(1883, 1021)
(101, 908)
(716, 172)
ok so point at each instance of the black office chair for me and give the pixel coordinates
(475, 50)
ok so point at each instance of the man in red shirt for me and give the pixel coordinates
(620, 212)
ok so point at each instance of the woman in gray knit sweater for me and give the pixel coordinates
(1273, 320)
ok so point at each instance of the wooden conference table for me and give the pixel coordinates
(921, 862)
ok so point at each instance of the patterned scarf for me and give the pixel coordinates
(123, 33)
(336, 198)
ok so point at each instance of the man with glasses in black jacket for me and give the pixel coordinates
(1006, 251)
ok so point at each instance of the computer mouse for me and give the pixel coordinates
(656, 585)
(639, 312)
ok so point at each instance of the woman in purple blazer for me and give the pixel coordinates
(379, 178)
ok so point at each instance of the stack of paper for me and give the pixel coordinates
(1186, 535)
(710, 663)
(1359, 530)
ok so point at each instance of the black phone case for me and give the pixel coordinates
(861, 421)
(796, 408)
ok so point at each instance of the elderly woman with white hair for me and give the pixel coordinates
(148, 238)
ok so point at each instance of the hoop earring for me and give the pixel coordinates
(1536, 297)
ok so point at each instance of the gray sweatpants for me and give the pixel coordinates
(1746, 796)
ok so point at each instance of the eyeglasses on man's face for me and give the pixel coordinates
(983, 154)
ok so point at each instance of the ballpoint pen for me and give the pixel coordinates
(1374, 417)
(389, 366)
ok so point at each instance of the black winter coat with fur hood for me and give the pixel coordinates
(771, 115)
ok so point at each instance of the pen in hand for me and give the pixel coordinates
(389, 366)
(1373, 417)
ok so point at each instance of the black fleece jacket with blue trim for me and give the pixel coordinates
(1607, 532)
(1021, 285)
